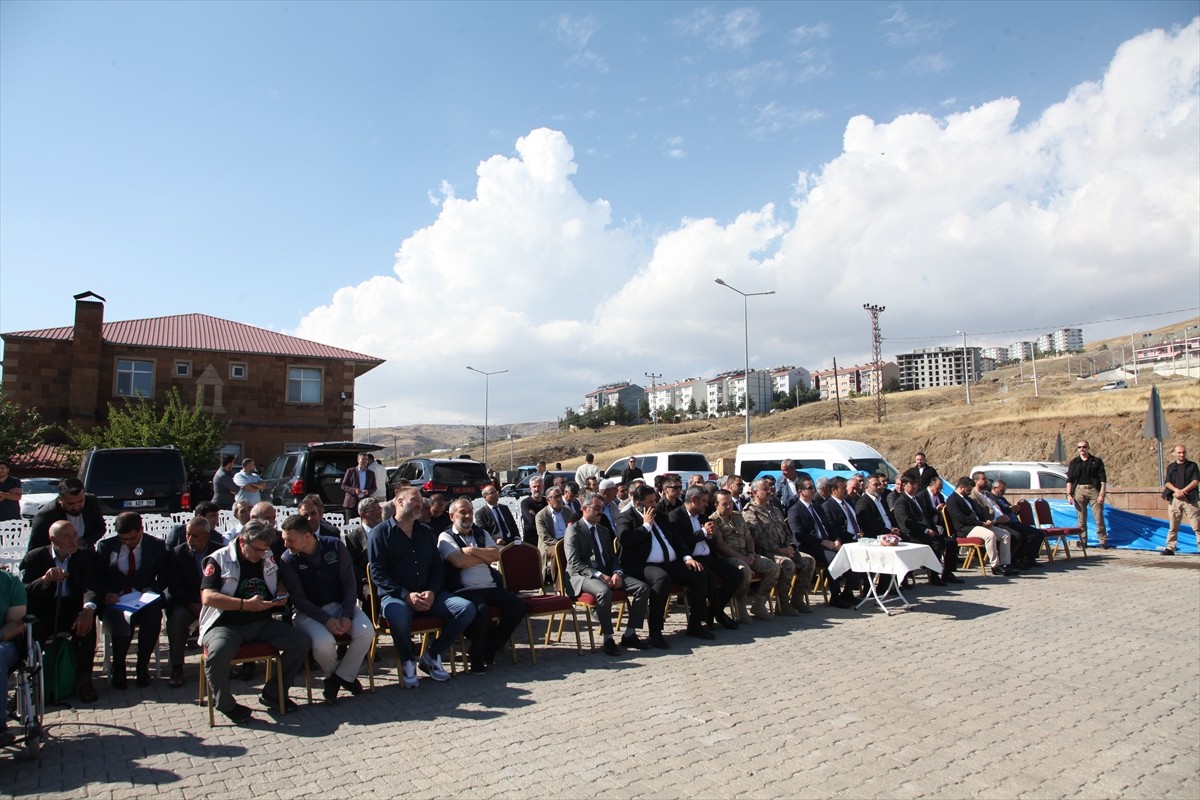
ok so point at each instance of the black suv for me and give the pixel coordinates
(452, 477)
(316, 468)
(150, 480)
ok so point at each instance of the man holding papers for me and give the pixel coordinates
(133, 574)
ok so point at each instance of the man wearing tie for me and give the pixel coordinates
(843, 529)
(183, 589)
(592, 568)
(495, 518)
(132, 562)
(916, 526)
(648, 555)
(808, 525)
(690, 525)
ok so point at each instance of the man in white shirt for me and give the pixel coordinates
(250, 484)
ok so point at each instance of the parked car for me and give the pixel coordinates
(1108, 387)
(35, 493)
(452, 477)
(1025, 474)
(685, 465)
(316, 468)
(150, 480)
(521, 487)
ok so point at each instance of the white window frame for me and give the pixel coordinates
(132, 371)
(304, 378)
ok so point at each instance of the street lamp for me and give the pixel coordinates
(487, 377)
(746, 318)
(369, 409)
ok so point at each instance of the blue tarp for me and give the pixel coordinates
(1126, 530)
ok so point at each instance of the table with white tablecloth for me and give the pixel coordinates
(873, 559)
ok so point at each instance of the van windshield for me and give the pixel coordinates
(688, 462)
(873, 465)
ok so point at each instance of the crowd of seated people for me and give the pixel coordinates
(301, 585)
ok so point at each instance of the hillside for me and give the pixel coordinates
(1004, 422)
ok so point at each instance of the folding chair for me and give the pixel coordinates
(1045, 521)
(521, 566)
(972, 544)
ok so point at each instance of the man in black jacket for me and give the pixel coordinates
(183, 588)
(81, 510)
(132, 562)
(916, 527)
(1087, 483)
(1180, 488)
(690, 524)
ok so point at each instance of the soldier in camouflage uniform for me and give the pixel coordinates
(734, 542)
(773, 538)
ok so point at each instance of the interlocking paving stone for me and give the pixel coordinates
(1078, 680)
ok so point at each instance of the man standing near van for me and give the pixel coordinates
(250, 484)
(224, 489)
(357, 483)
(1086, 485)
(920, 472)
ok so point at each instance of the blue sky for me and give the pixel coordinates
(355, 173)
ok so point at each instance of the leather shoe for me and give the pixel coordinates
(656, 640)
(1168, 551)
(936, 581)
(143, 677)
(355, 686)
(118, 679)
(631, 641)
(86, 691)
(699, 633)
(271, 704)
(238, 714)
(840, 602)
(952, 578)
(1000, 572)
(726, 621)
(478, 668)
(176, 679)
(610, 648)
(330, 691)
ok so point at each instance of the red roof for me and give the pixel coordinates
(202, 332)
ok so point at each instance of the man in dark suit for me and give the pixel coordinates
(60, 582)
(809, 526)
(496, 518)
(965, 519)
(81, 510)
(872, 514)
(916, 527)
(357, 483)
(648, 554)
(921, 472)
(209, 511)
(843, 529)
(132, 562)
(592, 567)
(690, 525)
(183, 588)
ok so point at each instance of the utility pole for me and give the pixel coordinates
(877, 354)
(837, 392)
(967, 369)
(653, 410)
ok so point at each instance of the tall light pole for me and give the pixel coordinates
(966, 369)
(746, 318)
(487, 389)
(369, 409)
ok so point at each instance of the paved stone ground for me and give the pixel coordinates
(1081, 680)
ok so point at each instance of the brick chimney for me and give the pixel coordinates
(85, 359)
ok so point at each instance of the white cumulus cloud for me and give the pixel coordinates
(967, 221)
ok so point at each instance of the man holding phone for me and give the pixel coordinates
(239, 591)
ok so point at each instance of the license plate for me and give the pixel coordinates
(139, 503)
(462, 489)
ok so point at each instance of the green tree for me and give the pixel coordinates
(691, 409)
(21, 428)
(892, 385)
(137, 422)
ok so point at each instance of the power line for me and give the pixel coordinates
(936, 338)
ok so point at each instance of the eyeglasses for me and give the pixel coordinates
(258, 549)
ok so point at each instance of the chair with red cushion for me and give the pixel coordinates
(972, 544)
(1024, 514)
(585, 600)
(249, 652)
(1045, 521)
(425, 626)
(521, 566)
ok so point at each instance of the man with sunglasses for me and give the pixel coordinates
(1087, 483)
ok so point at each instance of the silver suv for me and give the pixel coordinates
(1025, 474)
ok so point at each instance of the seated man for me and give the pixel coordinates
(207, 510)
(408, 573)
(733, 541)
(1031, 537)
(132, 562)
(470, 552)
(439, 515)
(319, 576)
(240, 592)
(60, 583)
(12, 639)
(241, 515)
(551, 524)
(312, 508)
(530, 507)
(915, 527)
(183, 589)
(773, 539)
(81, 510)
(808, 524)
(495, 518)
(871, 511)
(649, 555)
(370, 514)
(988, 509)
(843, 530)
(592, 567)
(965, 520)
(690, 524)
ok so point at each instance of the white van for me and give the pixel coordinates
(838, 454)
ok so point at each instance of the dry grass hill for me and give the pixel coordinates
(1005, 421)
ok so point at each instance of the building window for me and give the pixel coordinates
(183, 369)
(304, 385)
(237, 371)
(135, 378)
